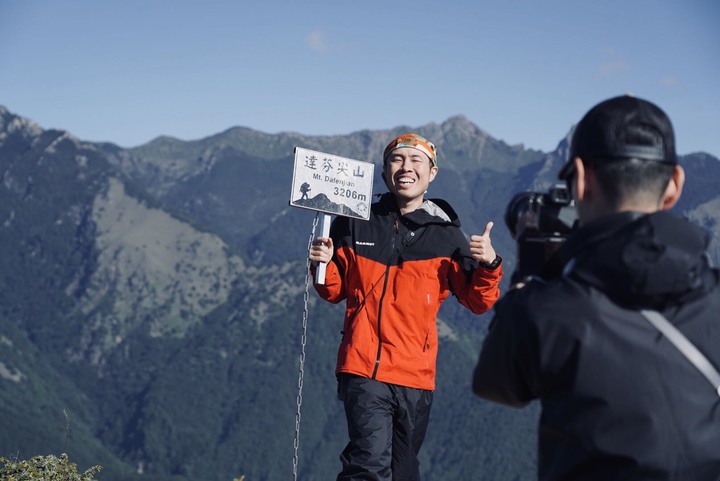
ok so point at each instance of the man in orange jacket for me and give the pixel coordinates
(394, 271)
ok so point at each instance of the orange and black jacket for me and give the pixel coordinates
(394, 271)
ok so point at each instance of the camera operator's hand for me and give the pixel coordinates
(321, 250)
(481, 247)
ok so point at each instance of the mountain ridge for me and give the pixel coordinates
(156, 298)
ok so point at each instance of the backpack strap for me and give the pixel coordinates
(686, 347)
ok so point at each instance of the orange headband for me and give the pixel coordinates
(413, 141)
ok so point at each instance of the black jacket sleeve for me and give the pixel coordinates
(508, 368)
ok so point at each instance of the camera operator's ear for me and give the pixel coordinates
(673, 191)
(582, 188)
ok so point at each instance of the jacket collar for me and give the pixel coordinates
(432, 211)
(639, 259)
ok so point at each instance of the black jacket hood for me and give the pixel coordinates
(644, 260)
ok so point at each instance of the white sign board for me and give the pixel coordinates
(332, 184)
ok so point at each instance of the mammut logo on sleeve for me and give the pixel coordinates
(360, 243)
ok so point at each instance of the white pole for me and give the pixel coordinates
(320, 273)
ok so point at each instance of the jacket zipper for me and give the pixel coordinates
(382, 298)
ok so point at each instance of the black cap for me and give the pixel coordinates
(619, 128)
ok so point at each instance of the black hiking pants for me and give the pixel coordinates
(386, 425)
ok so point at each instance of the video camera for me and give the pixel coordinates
(539, 222)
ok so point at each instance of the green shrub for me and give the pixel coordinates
(44, 468)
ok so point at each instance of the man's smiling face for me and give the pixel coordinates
(408, 173)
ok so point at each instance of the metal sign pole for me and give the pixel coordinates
(320, 272)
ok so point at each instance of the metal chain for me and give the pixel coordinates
(303, 341)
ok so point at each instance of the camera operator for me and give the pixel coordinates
(605, 339)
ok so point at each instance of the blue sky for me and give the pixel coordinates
(524, 71)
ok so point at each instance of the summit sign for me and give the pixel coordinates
(332, 184)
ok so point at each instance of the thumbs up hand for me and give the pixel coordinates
(481, 247)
